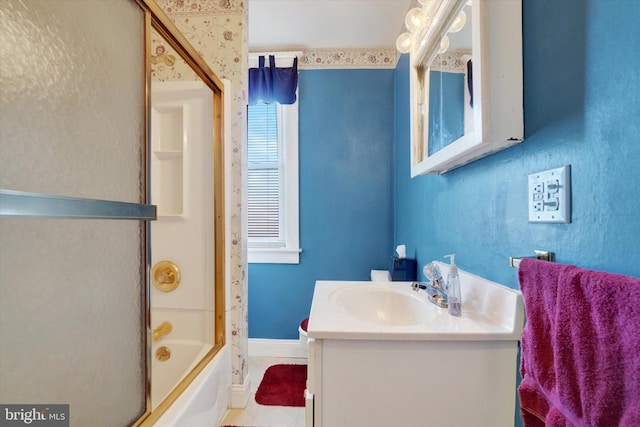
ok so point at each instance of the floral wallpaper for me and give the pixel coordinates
(347, 58)
(166, 64)
(451, 61)
(217, 29)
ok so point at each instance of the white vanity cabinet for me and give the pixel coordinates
(431, 369)
(411, 383)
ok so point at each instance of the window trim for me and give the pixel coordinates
(290, 253)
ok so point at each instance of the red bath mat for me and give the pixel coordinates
(283, 385)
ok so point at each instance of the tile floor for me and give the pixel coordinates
(256, 415)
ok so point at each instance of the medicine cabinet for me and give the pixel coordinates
(465, 86)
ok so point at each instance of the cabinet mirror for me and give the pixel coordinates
(465, 83)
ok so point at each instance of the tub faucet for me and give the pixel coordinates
(161, 331)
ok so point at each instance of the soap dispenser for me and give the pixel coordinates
(453, 291)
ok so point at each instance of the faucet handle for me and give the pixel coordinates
(432, 272)
(417, 286)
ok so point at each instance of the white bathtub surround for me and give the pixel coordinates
(206, 400)
(188, 342)
(184, 355)
(204, 403)
(181, 173)
(398, 350)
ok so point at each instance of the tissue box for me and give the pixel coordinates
(403, 269)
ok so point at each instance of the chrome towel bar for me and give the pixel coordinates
(541, 255)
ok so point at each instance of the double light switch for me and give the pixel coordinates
(550, 195)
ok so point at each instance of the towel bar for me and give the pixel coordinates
(541, 255)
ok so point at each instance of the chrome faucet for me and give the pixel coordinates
(434, 275)
(435, 289)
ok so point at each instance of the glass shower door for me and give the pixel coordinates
(73, 297)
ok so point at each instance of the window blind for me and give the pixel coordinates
(264, 178)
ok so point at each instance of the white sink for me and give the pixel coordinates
(392, 310)
(367, 338)
(383, 304)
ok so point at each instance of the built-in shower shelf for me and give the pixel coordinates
(167, 164)
(166, 188)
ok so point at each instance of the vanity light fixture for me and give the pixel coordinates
(458, 22)
(430, 6)
(444, 45)
(415, 20)
(404, 42)
(419, 19)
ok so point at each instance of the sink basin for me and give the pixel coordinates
(382, 304)
(393, 311)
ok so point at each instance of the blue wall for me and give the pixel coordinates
(446, 114)
(582, 107)
(346, 150)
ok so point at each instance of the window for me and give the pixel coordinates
(272, 182)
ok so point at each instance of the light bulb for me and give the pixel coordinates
(404, 42)
(415, 19)
(429, 6)
(444, 45)
(458, 22)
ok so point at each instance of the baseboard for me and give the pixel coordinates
(261, 347)
(240, 393)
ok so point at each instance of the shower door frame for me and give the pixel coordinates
(156, 19)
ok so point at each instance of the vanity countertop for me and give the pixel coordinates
(393, 311)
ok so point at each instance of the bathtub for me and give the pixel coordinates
(205, 401)
(184, 355)
(187, 345)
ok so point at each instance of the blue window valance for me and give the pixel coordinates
(273, 84)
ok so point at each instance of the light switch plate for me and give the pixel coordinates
(549, 196)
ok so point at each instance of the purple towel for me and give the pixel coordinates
(580, 358)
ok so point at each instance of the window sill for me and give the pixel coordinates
(273, 256)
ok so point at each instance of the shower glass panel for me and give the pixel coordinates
(71, 308)
(72, 98)
(73, 292)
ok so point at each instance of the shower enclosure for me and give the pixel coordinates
(76, 206)
(73, 205)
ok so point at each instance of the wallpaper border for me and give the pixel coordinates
(341, 58)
